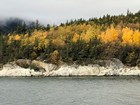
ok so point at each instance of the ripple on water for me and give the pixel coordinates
(70, 91)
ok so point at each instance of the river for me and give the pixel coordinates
(70, 91)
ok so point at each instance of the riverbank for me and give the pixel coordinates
(113, 67)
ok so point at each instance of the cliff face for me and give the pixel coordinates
(24, 67)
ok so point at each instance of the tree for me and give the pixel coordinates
(55, 57)
(75, 38)
(127, 36)
(136, 38)
(37, 24)
(48, 27)
(110, 35)
(1, 48)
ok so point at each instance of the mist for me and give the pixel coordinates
(59, 11)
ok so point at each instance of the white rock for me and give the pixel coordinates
(68, 70)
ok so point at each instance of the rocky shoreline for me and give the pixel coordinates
(112, 67)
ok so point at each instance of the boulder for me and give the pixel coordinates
(111, 63)
(38, 65)
(14, 70)
(38, 68)
(25, 63)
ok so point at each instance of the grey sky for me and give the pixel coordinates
(56, 11)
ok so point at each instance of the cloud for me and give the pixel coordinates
(56, 11)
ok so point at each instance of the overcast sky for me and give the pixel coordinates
(56, 11)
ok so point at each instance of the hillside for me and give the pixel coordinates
(78, 41)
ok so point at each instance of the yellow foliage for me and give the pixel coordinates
(58, 42)
(13, 38)
(17, 37)
(110, 35)
(55, 57)
(75, 37)
(59, 37)
(45, 34)
(87, 36)
(90, 34)
(74, 31)
(127, 36)
(39, 37)
(136, 38)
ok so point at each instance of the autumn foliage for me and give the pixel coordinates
(77, 41)
(129, 36)
(110, 35)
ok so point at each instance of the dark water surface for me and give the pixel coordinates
(70, 91)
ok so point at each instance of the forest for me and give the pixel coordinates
(76, 41)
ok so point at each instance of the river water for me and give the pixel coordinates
(70, 91)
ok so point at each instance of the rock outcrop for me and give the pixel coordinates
(14, 70)
(24, 67)
(112, 63)
(24, 63)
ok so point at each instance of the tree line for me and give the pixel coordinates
(78, 41)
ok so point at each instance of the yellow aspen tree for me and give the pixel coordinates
(55, 57)
(90, 33)
(136, 38)
(110, 35)
(127, 36)
(75, 37)
(17, 37)
(58, 42)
